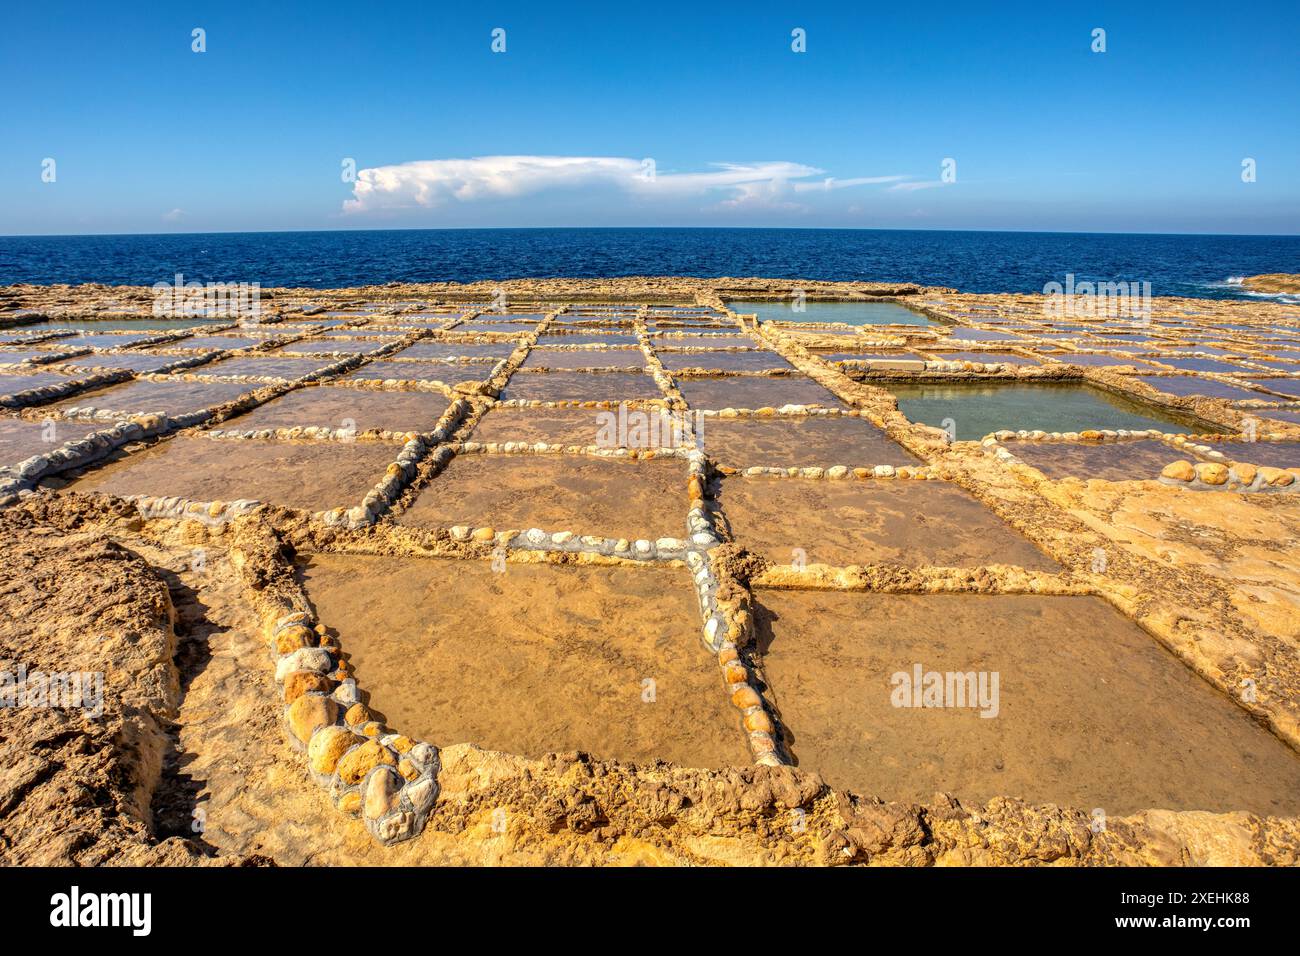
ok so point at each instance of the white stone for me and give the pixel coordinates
(312, 659)
(347, 693)
(422, 794)
(398, 826)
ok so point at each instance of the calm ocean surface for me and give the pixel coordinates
(970, 261)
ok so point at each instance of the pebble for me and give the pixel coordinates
(304, 659)
(382, 792)
(290, 639)
(327, 745)
(361, 759)
(745, 697)
(422, 794)
(309, 712)
(301, 682)
(1212, 473)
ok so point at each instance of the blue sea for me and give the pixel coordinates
(1186, 265)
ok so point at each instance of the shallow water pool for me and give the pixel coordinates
(977, 410)
(850, 313)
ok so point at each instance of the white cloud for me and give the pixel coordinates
(174, 215)
(832, 183)
(440, 182)
(913, 186)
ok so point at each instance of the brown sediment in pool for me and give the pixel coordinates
(21, 438)
(712, 340)
(1090, 712)
(814, 441)
(35, 357)
(215, 343)
(503, 326)
(755, 392)
(531, 659)
(149, 396)
(591, 358)
(585, 338)
(381, 369)
(347, 408)
(13, 383)
(587, 496)
(286, 367)
(581, 386)
(108, 341)
(886, 521)
(310, 476)
(374, 330)
(564, 426)
(1112, 461)
(329, 346)
(446, 350)
(592, 323)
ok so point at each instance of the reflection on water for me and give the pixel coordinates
(977, 410)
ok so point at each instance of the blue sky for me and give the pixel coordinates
(1149, 136)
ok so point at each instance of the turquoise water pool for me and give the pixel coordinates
(977, 410)
(850, 313)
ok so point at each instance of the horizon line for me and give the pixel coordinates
(282, 232)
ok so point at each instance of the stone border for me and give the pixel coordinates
(922, 579)
(182, 361)
(588, 451)
(43, 362)
(1237, 476)
(79, 452)
(839, 472)
(321, 433)
(784, 411)
(1217, 473)
(41, 394)
(390, 780)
